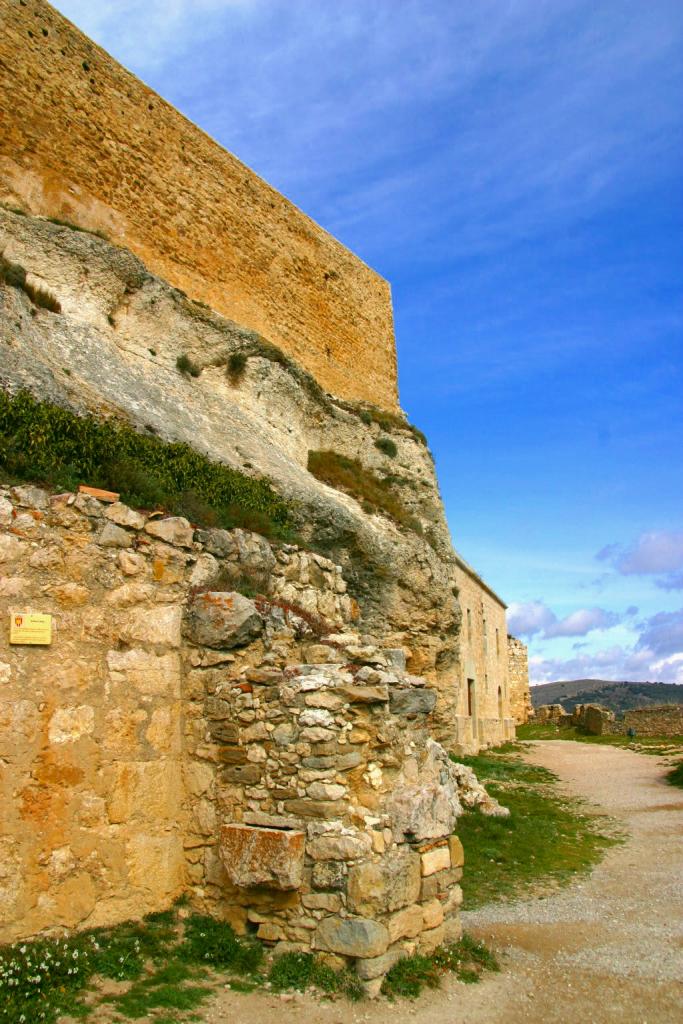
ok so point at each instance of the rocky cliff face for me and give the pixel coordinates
(112, 350)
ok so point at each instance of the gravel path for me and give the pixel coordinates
(607, 949)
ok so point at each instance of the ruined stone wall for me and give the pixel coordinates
(518, 676)
(666, 720)
(262, 754)
(484, 713)
(84, 140)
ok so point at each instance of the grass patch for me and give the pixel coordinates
(643, 744)
(387, 446)
(237, 364)
(302, 971)
(466, 959)
(186, 366)
(352, 477)
(13, 274)
(43, 442)
(547, 840)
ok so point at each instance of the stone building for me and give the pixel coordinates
(483, 714)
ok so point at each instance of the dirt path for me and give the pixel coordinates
(607, 949)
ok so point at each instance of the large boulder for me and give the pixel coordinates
(223, 620)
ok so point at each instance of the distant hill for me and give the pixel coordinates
(613, 695)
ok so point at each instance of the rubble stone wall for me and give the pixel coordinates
(86, 141)
(665, 720)
(518, 676)
(261, 752)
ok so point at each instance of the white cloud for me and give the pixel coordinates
(535, 618)
(657, 655)
(655, 552)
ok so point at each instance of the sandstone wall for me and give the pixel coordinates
(518, 675)
(484, 715)
(84, 140)
(176, 736)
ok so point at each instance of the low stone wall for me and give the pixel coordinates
(665, 720)
(176, 735)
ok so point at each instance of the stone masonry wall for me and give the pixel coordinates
(518, 675)
(86, 141)
(666, 720)
(484, 716)
(261, 753)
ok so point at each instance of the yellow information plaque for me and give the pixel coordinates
(30, 628)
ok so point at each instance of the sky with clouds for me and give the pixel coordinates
(514, 168)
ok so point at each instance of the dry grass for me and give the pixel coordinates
(352, 477)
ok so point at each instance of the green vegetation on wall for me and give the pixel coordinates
(43, 442)
(351, 476)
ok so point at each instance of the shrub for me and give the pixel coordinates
(14, 275)
(300, 971)
(237, 364)
(215, 944)
(43, 442)
(351, 476)
(186, 366)
(387, 446)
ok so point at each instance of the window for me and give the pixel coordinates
(500, 702)
(469, 624)
(486, 639)
(498, 643)
(470, 697)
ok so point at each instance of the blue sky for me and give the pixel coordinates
(514, 168)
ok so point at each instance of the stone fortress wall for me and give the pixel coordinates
(84, 140)
(662, 720)
(273, 756)
(263, 755)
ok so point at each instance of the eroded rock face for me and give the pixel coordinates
(262, 857)
(222, 620)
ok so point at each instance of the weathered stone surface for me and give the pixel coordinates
(433, 914)
(457, 852)
(396, 658)
(431, 940)
(122, 515)
(339, 847)
(330, 874)
(113, 536)
(393, 882)
(424, 802)
(436, 859)
(160, 625)
(353, 936)
(30, 497)
(264, 857)
(412, 701)
(174, 530)
(365, 694)
(315, 808)
(70, 723)
(223, 620)
(406, 923)
(377, 966)
(245, 774)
